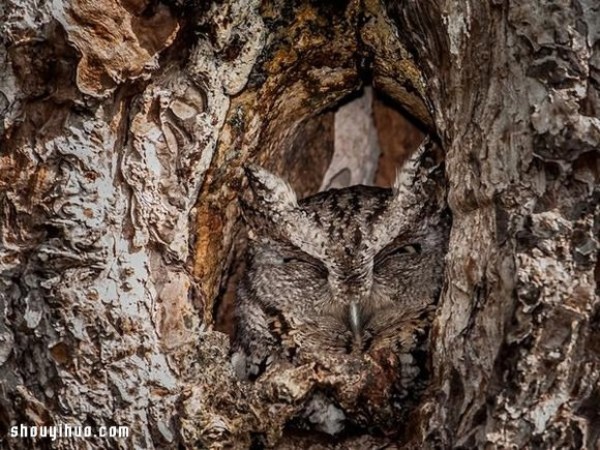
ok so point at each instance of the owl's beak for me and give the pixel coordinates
(356, 322)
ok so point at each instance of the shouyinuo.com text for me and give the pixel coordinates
(67, 431)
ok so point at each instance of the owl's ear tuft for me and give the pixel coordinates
(406, 176)
(270, 191)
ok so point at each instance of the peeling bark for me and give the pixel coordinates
(123, 129)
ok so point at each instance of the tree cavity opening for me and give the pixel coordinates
(363, 139)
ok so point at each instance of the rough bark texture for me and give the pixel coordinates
(514, 88)
(123, 129)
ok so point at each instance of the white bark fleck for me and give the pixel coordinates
(356, 147)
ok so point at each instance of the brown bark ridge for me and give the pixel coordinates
(123, 128)
(514, 88)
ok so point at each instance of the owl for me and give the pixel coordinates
(345, 274)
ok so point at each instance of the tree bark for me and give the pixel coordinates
(514, 89)
(124, 128)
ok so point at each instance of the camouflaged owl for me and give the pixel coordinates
(343, 272)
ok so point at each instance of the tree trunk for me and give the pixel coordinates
(514, 90)
(124, 128)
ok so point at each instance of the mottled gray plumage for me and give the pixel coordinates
(345, 272)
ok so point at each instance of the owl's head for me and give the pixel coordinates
(343, 261)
